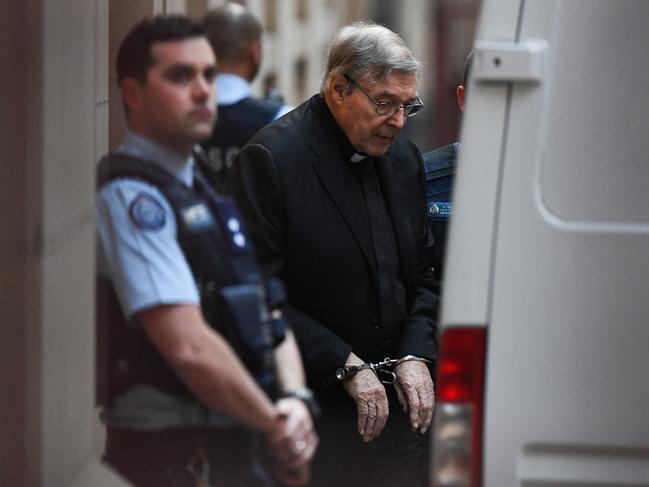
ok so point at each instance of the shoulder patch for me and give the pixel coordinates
(147, 212)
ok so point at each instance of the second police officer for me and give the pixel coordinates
(236, 37)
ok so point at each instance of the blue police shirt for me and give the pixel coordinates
(138, 249)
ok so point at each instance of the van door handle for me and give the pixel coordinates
(498, 61)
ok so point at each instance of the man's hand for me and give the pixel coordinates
(371, 401)
(293, 442)
(415, 392)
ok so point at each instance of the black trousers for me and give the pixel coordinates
(398, 457)
(187, 457)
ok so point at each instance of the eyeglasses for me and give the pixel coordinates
(388, 108)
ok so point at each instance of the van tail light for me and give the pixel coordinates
(457, 435)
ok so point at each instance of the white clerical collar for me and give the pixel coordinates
(357, 157)
(140, 146)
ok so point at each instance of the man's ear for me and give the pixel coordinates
(459, 92)
(338, 88)
(249, 66)
(131, 91)
(254, 52)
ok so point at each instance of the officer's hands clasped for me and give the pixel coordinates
(292, 441)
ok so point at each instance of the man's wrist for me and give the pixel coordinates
(411, 358)
(305, 395)
(272, 421)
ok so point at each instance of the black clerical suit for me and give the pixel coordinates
(312, 216)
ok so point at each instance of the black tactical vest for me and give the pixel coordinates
(233, 296)
(235, 125)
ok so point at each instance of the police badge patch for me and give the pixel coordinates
(147, 213)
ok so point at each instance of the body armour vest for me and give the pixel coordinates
(235, 125)
(234, 299)
(439, 166)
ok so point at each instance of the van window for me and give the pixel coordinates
(596, 153)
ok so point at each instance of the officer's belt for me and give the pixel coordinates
(178, 446)
(143, 407)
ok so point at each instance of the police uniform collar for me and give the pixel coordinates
(231, 89)
(137, 145)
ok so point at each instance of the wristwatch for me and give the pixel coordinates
(305, 395)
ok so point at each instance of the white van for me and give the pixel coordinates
(544, 372)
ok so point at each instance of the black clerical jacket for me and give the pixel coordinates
(308, 221)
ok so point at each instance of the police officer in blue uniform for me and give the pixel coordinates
(236, 37)
(439, 165)
(197, 371)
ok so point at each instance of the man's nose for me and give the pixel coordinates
(398, 119)
(201, 88)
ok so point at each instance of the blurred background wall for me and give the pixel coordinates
(297, 32)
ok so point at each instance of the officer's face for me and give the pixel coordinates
(366, 130)
(176, 106)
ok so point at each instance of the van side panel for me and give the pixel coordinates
(567, 389)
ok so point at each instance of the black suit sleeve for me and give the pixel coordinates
(419, 336)
(254, 183)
